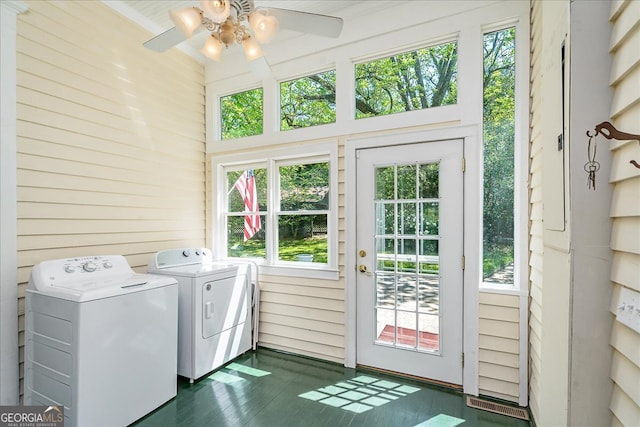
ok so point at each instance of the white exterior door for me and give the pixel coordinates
(410, 259)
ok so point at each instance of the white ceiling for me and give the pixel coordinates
(153, 15)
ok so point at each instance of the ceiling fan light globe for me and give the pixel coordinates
(212, 49)
(251, 49)
(187, 20)
(217, 10)
(264, 27)
(255, 18)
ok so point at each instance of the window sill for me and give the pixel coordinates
(320, 272)
(496, 288)
(311, 271)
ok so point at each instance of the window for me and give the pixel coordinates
(415, 80)
(498, 157)
(308, 101)
(241, 114)
(280, 211)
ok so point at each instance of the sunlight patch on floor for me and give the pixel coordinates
(247, 370)
(359, 394)
(228, 374)
(441, 420)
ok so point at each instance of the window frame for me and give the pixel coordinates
(217, 113)
(280, 82)
(271, 160)
(408, 48)
(520, 163)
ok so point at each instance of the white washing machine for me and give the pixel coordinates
(214, 313)
(100, 339)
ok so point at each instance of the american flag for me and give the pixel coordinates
(246, 185)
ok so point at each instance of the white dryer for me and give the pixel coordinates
(100, 339)
(214, 308)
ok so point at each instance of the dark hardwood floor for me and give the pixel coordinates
(268, 388)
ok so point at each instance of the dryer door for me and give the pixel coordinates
(225, 304)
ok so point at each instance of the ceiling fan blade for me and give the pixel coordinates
(305, 22)
(165, 41)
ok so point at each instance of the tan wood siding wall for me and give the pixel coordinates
(302, 315)
(499, 346)
(625, 208)
(536, 239)
(110, 140)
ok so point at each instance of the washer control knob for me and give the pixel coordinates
(89, 267)
(69, 268)
(107, 264)
(185, 253)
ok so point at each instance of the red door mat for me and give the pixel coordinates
(407, 337)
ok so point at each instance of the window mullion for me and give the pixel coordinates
(273, 208)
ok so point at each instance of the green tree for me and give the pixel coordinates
(241, 114)
(308, 101)
(410, 81)
(499, 142)
(302, 188)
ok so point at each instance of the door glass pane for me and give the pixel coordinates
(407, 218)
(385, 178)
(428, 182)
(429, 289)
(385, 218)
(407, 257)
(386, 291)
(406, 330)
(407, 182)
(386, 326)
(429, 218)
(428, 336)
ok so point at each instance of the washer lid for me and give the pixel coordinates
(83, 291)
(90, 278)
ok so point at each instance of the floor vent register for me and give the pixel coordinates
(486, 405)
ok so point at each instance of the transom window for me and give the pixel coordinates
(241, 114)
(308, 101)
(409, 81)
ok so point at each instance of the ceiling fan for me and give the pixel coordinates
(238, 21)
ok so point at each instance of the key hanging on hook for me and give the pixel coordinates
(592, 166)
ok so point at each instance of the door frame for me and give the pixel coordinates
(472, 182)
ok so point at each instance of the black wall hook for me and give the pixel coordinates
(607, 130)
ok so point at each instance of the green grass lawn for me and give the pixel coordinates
(288, 249)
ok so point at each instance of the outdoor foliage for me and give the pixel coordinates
(414, 80)
(499, 136)
(241, 114)
(308, 101)
(302, 217)
(410, 81)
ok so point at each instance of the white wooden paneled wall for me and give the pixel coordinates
(536, 227)
(110, 140)
(625, 208)
(499, 346)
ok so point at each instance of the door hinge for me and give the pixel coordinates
(463, 262)
(464, 165)
(462, 359)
